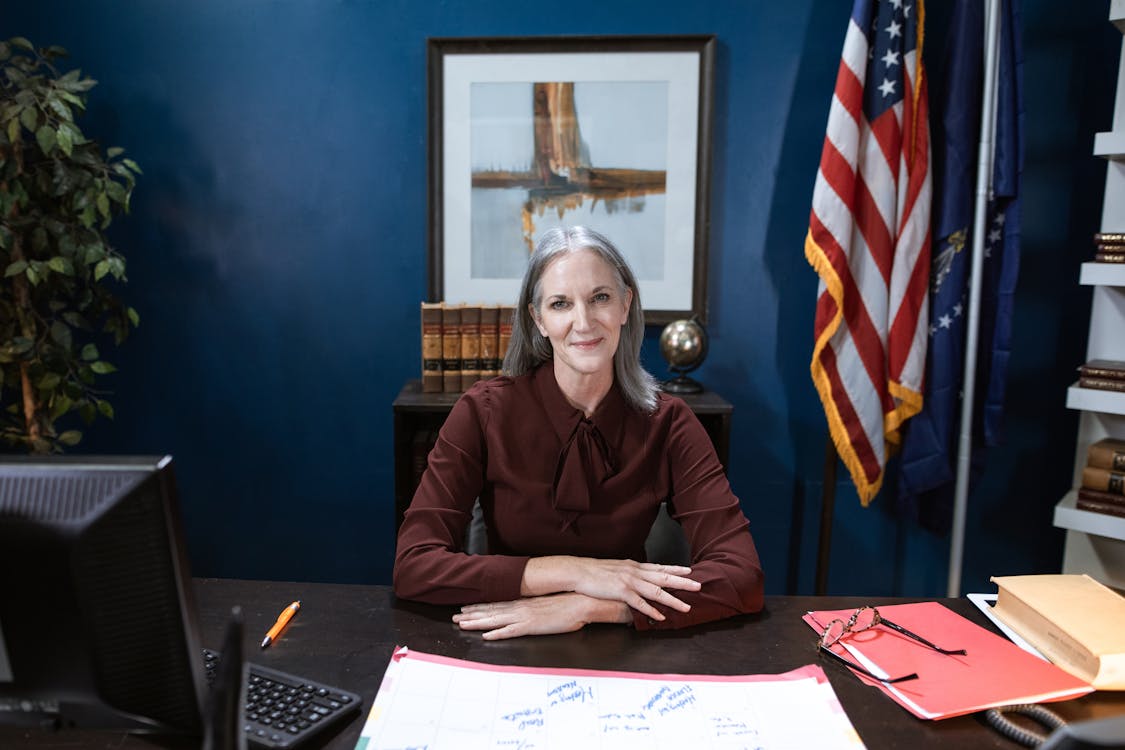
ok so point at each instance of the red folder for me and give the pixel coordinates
(993, 672)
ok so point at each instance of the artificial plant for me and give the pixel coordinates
(58, 194)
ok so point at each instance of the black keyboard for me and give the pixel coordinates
(286, 711)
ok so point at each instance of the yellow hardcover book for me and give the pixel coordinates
(431, 347)
(505, 332)
(1073, 620)
(1107, 453)
(451, 347)
(489, 341)
(470, 345)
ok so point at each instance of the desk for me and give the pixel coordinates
(418, 416)
(344, 635)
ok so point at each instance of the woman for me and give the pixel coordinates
(571, 454)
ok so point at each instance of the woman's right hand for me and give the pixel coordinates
(638, 585)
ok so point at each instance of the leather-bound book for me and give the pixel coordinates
(1101, 384)
(1096, 501)
(489, 341)
(1111, 369)
(506, 313)
(1107, 453)
(450, 347)
(1103, 480)
(470, 345)
(431, 347)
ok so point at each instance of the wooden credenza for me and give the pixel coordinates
(418, 415)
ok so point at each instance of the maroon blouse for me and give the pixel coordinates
(552, 482)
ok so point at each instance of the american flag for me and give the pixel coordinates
(869, 239)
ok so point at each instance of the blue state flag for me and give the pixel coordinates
(929, 452)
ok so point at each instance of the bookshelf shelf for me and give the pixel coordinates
(1102, 274)
(1092, 399)
(1069, 516)
(1110, 145)
(1095, 542)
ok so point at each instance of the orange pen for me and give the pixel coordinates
(282, 620)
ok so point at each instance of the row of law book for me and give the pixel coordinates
(462, 343)
(1109, 247)
(1102, 374)
(1103, 478)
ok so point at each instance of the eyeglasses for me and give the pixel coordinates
(863, 619)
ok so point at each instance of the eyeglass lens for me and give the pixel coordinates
(862, 619)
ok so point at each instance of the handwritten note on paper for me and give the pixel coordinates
(434, 702)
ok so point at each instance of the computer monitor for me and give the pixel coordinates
(97, 622)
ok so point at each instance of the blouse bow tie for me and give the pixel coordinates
(584, 464)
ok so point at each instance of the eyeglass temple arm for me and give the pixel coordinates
(861, 670)
(920, 639)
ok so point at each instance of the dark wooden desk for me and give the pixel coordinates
(416, 414)
(344, 636)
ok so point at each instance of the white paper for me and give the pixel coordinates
(439, 704)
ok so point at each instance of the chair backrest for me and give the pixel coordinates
(666, 541)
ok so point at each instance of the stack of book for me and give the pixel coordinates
(462, 344)
(1103, 374)
(1103, 478)
(1109, 247)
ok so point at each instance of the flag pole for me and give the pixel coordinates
(984, 189)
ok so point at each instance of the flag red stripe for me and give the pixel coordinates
(856, 436)
(864, 334)
(900, 341)
(875, 231)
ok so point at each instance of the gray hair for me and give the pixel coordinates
(527, 349)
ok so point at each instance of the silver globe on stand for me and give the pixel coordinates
(684, 346)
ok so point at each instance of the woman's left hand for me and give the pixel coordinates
(539, 615)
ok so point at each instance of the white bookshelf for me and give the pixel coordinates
(1095, 542)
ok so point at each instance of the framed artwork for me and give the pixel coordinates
(610, 132)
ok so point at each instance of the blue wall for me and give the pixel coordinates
(277, 254)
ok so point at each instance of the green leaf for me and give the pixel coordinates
(134, 317)
(103, 204)
(131, 165)
(21, 345)
(38, 240)
(65, 140)
(60, 264)
(13, 130)
(60, 333)
(116, 192)
(114, 151)
(88, 412)
(72, 98)
(46, 137)
(48, 381)
(103, 368)
(32, 275)
(101, 270)
(30, 118)
(19, 41)
(76, 321)
(70, 437)
(89, 352)
(60, 405)
(105, 408)
(59, 107)
(16, 268)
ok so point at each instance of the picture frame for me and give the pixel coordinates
(610, 132)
